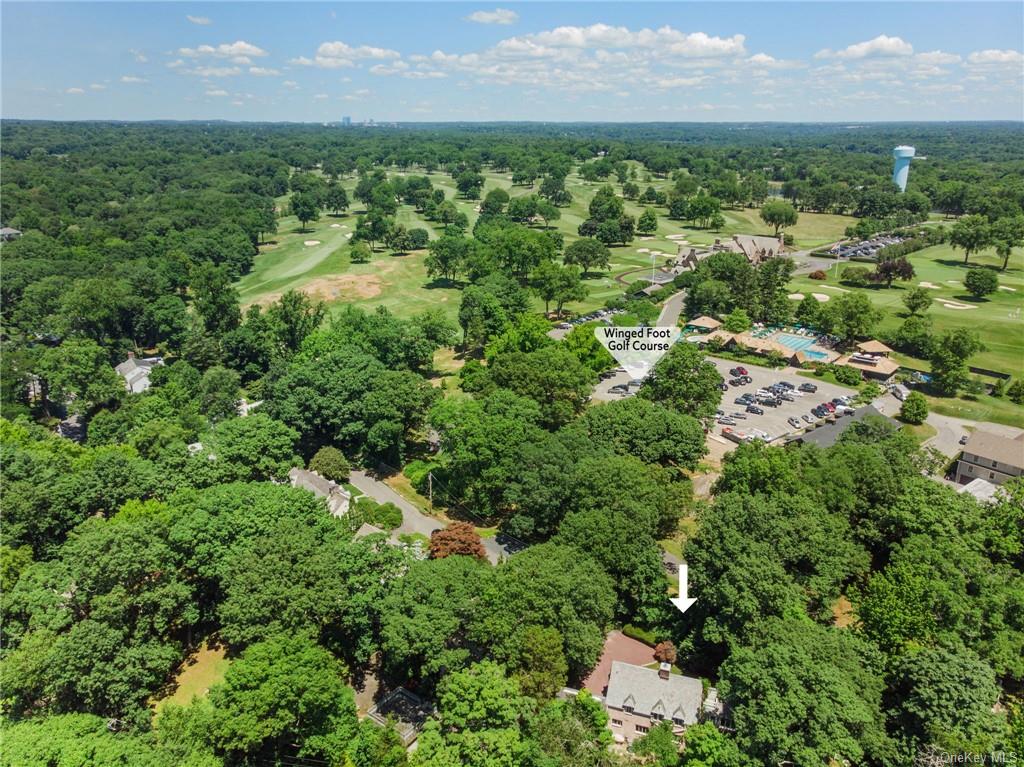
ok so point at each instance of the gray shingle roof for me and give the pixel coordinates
(643, 690)
(996, 447)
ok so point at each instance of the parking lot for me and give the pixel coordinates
(774, 422)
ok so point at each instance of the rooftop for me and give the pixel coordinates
(981, 489)
(406, 709)
(873, 347)
(996, 447)
(704, 322)
(646, 693)
(828, 435)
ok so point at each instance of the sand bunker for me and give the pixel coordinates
(1006, 287)
(820, 297)
(335, 226)
(954, 304)
(311, 243)
(795, 296)
(835, 287)
(646, 239)
(348, 234)
(929, 285)
(953, 282)
(676, 237)
(643, 250)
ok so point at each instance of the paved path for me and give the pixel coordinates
(415, 521)
(671, 309)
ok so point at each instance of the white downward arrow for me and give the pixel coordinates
(683, 602)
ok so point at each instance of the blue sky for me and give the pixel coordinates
(611, 61)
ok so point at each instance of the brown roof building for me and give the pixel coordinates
(992, 457)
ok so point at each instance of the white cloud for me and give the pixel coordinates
(937, 57)
(75, 91)
(176, 64)
(997, 57)
(224, 50)
(203, 21)
(497, 16)
(133, 79)
(680, 82)
(290, 84)
(358, 95)
(883, 45)
(97, 87)
(336, 54)
(216, 92)
(215, 71)
(263, 71)
(320, 96)
(138, 55)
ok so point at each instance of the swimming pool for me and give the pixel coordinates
(799, 344)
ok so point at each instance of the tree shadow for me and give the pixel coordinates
(442, 283)
(972, 299)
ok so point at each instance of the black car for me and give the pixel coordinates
(808, 387)
(723, 386)
(786, 385)
(735, 372)
(741, 401)
(747, 379)
(755, 410)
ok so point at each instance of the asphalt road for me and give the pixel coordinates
(415, 521)
(949, 430)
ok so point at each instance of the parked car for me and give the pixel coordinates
(723, 386)
(829, 407)
(786, 385)
(619, 388)
(742, 371)
(747, 379)
(795, 423)
(737, 415)
(755, 410)
(787, 397)
(963, 440)
(807, 418)
(808, 387)
(726, 421)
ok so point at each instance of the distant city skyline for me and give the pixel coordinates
(636, 62)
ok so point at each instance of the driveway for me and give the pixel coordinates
(415, 521)
(949, 429)
(671, 309)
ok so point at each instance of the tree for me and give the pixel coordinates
(917, 300)
(801, 693)
(587, 253)
(778, 214)
(659, 744)
(469, 184)
(214, 298)
(665, 652)
(294, 316)
(1007, 234)
(914, 408)
(494, 203)
(551, 376)
(553, 282)
(218, 393)
(360, 253)
(950, 353)
(305, 207)
(738, 321)
(1015, 391)
(330, 463)
(458, 538)
(981, 282)
(648, 222)
(893, 269)
(286, 689)
(78, 373)
(972, 234)
(481, 316)
(336, 199)
(707, 746)
(685, 382)
(849, 316)
(538, 663)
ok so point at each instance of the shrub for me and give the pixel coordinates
(330, 463)
(665, 652)
(818, 275)
(1016, 391)
(639, 634)
(981, 282)
(914, 409)
(386, 516)
(458, 538)
(846, 375)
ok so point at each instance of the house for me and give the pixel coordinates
(829, 434)
(135, 372)
(872, 360)
(408, 711)
(763, 346)
(639, 697)
(72, 428)
(337, 497)
(704, 324)
(7, 234)
(687, 258)
(992, 457)
(758, 248)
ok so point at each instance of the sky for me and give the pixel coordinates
(431, 61)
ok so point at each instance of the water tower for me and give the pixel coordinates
(901, 165)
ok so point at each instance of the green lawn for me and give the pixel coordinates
(200, 671)
(401, 283)
(993, 317)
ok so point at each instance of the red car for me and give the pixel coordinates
(829, 407)
(741, 371)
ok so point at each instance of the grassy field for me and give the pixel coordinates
(401, 283)
(995, 318)
(200, 671)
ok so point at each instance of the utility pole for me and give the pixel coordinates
(430, 490)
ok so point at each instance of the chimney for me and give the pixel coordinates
(131, 355)
(664, 670)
